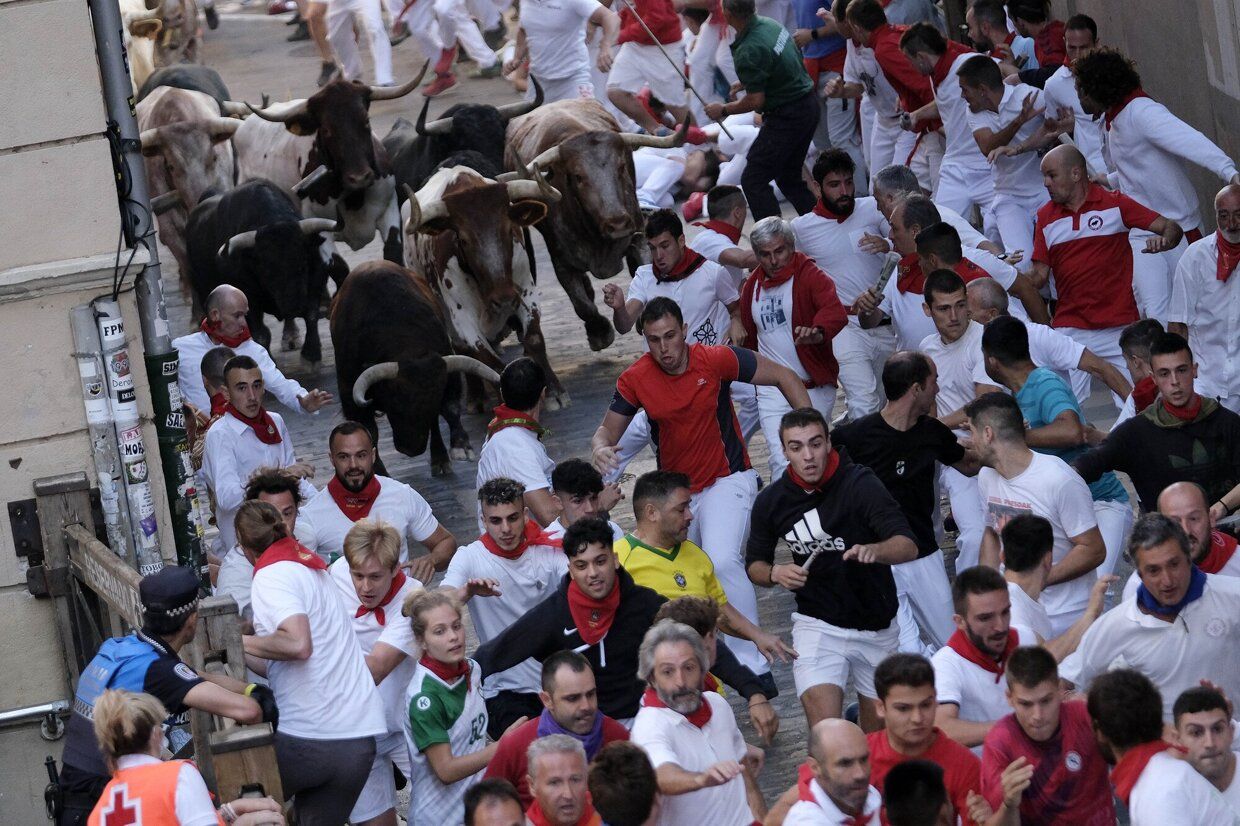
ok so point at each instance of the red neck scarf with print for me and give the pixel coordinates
(445, 672)
(593, 617)
(1129, 768)
(1111, 114)
(833, 464)
(212, 329)
(685, 267)
(354, 505)
(725, 229)
(1186, 413)
(962, 645)
(699, 718)
(219, 403)
(968, 271)
(823, 211)
(1143, 394)
(263, 425)
(1222, 548)
(589, 817)
(909, 277)
(289, 550)
(506, 416)
(533, 535)
(398, 582)
(1228, 257)
(944, 64)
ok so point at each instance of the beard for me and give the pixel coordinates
(843, 205)
(352, 485)
(685, 701)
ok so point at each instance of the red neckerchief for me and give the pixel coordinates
(784, 273)
(944, 63)
(1112, 113)
(289, 549)
(1129, 768)
(725, 229)
(1228, 257)
(699, 718)
(534, 535)
(1143, 394)
(1186, 413)
(805, 792)
(263, 425)
(354, 505)
(833, 464)
(1007, 41)
(398, 582)
(589, 817)
(711, 683)
(445, 672)
(1222, 547)
(218, 402)
(506, 416)
(910, 278)
(212, 329)
(968, 271)
(964, 646)
(685, 267)
(593, 617)
(821, 209)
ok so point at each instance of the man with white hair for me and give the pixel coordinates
(893, 183)
(690, 734)
(558, 773)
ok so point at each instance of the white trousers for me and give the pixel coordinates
(489, 12)
(744, 133)
(575, 87)
(862, 354)
(657, 171)
(710, 52)
(884, 135)
(721, 527)
(340, 15)
(1152, 275)
(771, 408)
(1114, 522)
(599, 80)
(440, 25)
(923, 154)
(969, 513)
(1014, 220)
(962, 187)
(1105, 345)
(925, 603)
(838, 127)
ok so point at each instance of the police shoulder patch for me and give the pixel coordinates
(185, 672)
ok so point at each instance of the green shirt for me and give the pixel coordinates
(768, 61)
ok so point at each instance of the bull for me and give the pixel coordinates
(195, 78)
(185, 144)
(254, 238)
(465, 234)
(139, 28)
(596, 226)
(394, 355)
(178, 39)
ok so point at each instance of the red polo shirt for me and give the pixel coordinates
(961, 768)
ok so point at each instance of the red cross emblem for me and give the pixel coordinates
(119, 811)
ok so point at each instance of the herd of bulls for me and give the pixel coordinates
(260, 202)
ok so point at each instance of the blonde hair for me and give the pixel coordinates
(124, 722)
(372, 537)
(418, 603)
(258, 525)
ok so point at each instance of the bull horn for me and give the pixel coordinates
(675, 139)
(162, 203)
(150, 138)
(375, 373)
(535, 190)
(508, 176)
(318, 173)
(415, 209)
(240, 241)
(470, 365)
(281, 112)
(548, 158)
(310, 226)
(424, 214)
(218, 127)
(514, 110)
(393, 92)
(234, 108)
(442, 126)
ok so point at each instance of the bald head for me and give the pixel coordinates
(840, 758)
(1065, 175)
(227, 308)
(223, 296)
(835, 736)
(1186, 503)
(987, 299)
(1227, 212)
(1066, 156)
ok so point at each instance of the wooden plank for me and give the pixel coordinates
(243, 756)
(62, 500)
(104, 573)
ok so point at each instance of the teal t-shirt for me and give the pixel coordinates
(1044, 396)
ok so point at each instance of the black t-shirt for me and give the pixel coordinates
(853, 508)
(904, 461)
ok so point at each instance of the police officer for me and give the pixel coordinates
(147, 661)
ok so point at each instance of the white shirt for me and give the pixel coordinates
(961, 147)
(1211, 309)
(555, 31)
(712, 245)
(668, 737)
(957, 363)
(1049, 488)
(193, 347)
(974, 690)
(1048, 348)
(823, 811)
(1147, 145)
(230, 454)
(322, 526)
(861, 66)
(911, 323)
(1029, 613)
(833, 246)
(772, 315)
(1060, 93)
(1200, 644)
(516, 453)
(235, 577)
(1170, 792)
(330, 695)
(524, 582)
(193, 801)
(1017, 176)
(1232, 793)
(703, 297)
(1230, 569)
(396, 631)
(556, 530)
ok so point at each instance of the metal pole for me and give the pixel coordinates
(160, 357)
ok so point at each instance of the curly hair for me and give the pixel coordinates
(1106, 76)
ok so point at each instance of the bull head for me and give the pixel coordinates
(551, 156)
(246, 240)
(389, 370)
(296, 115)
(443, 126)
(219, 129)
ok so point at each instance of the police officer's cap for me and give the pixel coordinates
(171, 591)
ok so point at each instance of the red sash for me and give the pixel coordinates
(1186, 413)
(289, 549)
(910, 278)
(823, 211)
(398, 582)
(354, 505)
(445, 672)
(1143, 394)
(833, 464)
(964, 646)
(219, 402)
(263, 425)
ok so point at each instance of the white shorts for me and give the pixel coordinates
(637, 65)
(379, 793)
(828, 655)
(575, 87)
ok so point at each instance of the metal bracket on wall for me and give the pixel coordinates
(28, 543)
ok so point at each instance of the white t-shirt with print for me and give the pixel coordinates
(322, 526)
(772, 315)
(703, 297)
